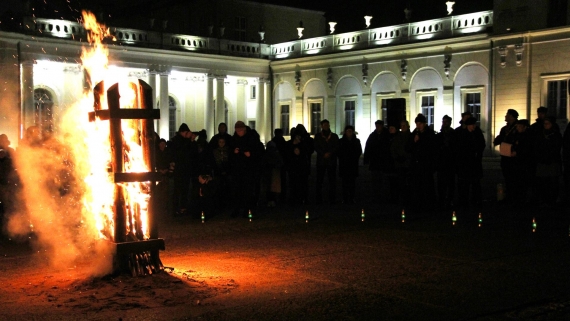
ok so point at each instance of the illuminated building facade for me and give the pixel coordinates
(437, 67)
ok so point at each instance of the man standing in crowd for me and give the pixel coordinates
(182, 150)
(243, 160)
(445, 164)
(422, 148)
(326, 146)
(505, 140)
(377, 156)
(469, 161)
(222, 133)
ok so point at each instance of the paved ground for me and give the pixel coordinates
(335, 267)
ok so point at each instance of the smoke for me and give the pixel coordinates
(53, 212)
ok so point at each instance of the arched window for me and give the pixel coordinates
(43, 110)
(171, 117)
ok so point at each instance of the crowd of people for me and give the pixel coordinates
(419, 170)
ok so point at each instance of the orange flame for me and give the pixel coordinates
(93, 152)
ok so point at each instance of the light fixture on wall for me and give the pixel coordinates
(330, 77)
(222, 29)
(332, 24)
(365, 73)
(447, 65)
(298, 80)
(449, 5)
(404, 69)
(503, 55)
(519, 49)
(261, 33)
(367, 19)
(300, 29)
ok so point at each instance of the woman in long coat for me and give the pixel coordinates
(348, 157)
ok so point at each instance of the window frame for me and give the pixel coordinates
(344, 100)
(544, 91)
(419, 97)
(240, 31)
(482, 102)
(381, 112)
(317, 127)
(172, 123)
(286, 130)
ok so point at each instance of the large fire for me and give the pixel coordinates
(83, 212)
(98, 198)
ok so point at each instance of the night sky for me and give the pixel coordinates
(349, 14)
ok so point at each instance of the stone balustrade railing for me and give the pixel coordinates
(406, 33)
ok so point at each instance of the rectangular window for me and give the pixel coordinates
(315, 117)
(172, 122)
(285, 119)
(382, 102)
(251, 124)
(349, 110)
(557, 98)
(473, 105)
(384, 111)
(240, 29)
(253, 92)
(427, 107)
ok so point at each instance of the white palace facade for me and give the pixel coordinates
(438, 67)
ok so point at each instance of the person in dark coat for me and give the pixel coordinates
(163, 160)
(271, 179)
(222, 171)
(222, 133)
(548, 163)
(243, 164)
(281, 144)
(377, 157)
(183, 151)
(522, 160)
(298, 158)
(464, 116)
(349, 152)
(538, 125)
(422, 167)
(401, 157)
(470, 144)
(505, 141)
(445, 165)
(566, 162)
(326, 146)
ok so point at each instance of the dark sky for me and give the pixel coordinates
(349, 14)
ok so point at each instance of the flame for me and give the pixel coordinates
(94, 154)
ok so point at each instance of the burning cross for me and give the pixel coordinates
(449, 7)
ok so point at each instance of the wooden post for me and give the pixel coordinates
(148, 145)
(117, 163)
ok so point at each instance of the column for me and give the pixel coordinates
(268, 111)
(27, 87)
(220, 102)
(163, 130)
(241, 106)
(209, 108)
(152, 84)
(260, 110)
(10, 103)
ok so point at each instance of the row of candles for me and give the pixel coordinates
(363, 217)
